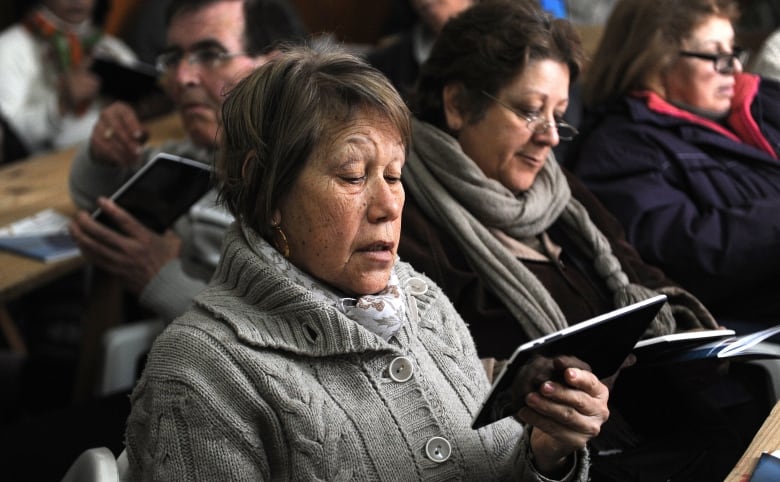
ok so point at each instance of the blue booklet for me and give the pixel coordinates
(44, 247)
(767, 469)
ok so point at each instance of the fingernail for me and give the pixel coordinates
(547, 387)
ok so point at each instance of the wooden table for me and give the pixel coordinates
(766, 440)
(27, 187)
(41, 182)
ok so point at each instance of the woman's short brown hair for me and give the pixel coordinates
(275, 117)
(484, 48)
(641, 40)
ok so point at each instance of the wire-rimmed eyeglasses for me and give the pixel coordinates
(206, 57)
(538, 124)
(723, 63)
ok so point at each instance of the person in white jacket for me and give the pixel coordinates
(48, 95)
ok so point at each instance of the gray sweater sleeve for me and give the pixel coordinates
(187, 437)
(525, 467)
(170, 293)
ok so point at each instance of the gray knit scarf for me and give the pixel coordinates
(452, 190)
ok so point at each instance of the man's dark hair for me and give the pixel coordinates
(267, 23)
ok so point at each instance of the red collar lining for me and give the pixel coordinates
(740, 119)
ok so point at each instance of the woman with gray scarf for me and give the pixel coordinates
(519, 245)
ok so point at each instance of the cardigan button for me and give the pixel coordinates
(438, 449)
(401, 369)
(417, 286)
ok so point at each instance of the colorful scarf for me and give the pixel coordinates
(69, 46)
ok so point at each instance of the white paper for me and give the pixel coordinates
(43, 222)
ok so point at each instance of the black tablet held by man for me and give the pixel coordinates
(161, 191)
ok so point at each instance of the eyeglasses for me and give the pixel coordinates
(206, 57)
(538, 124)
(724, 63)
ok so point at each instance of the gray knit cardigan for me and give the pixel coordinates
(261, 381)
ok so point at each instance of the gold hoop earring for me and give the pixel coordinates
(280, 241)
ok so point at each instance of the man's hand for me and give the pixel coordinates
(135, 255)
(118, 136)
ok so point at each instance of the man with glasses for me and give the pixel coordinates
(209, 48)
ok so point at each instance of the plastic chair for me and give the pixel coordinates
(95, 465)
(122, 465)
(123, 349)
(772, 369)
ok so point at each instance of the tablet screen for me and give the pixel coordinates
(164, 189)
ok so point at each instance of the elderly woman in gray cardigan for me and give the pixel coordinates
(315, 354)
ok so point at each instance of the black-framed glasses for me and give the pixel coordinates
(538, 124)
(723, 63)
(205, 57)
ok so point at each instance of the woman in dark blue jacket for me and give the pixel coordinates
(682, 147)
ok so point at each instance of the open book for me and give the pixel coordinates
(697, 345)
(602, 342)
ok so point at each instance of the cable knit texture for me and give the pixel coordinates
(262, 380)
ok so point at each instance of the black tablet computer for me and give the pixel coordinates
(161, 191)
(602, 342)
